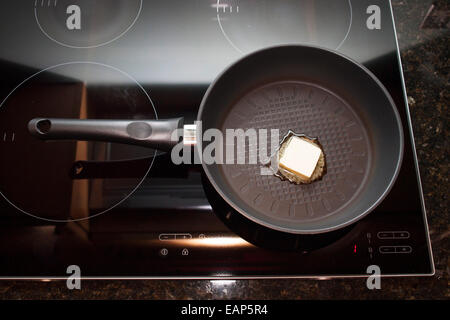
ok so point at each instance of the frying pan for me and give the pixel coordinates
(308, 90)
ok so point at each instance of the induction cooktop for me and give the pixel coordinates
(134, 213)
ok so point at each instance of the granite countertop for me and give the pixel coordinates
(425, 52)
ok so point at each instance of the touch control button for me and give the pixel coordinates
(395, 249)
(393, 235)
(163, 252)
(387, 249)
(403, 249)
(183, 236)
(385, 235)
(401, 235)
(166, 236)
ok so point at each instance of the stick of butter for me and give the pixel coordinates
(300, 157)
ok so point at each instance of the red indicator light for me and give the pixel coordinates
(354, 248)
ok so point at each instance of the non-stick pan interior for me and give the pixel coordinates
(321, 94)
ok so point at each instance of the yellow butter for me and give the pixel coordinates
(300, 157)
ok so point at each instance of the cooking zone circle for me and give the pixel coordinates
(85, 23)
(46, 172)
(252, 25)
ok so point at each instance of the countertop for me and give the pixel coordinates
(425, 52)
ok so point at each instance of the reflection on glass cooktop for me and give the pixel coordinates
(127, 211)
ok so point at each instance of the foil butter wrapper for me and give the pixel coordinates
(284, 174)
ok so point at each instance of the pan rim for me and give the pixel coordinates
(348, 222)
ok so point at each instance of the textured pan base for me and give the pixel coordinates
(316, 112)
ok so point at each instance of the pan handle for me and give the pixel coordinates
(156, 134)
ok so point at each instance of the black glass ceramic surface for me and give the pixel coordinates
(136, 214)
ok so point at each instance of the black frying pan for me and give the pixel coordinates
(305, 89)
